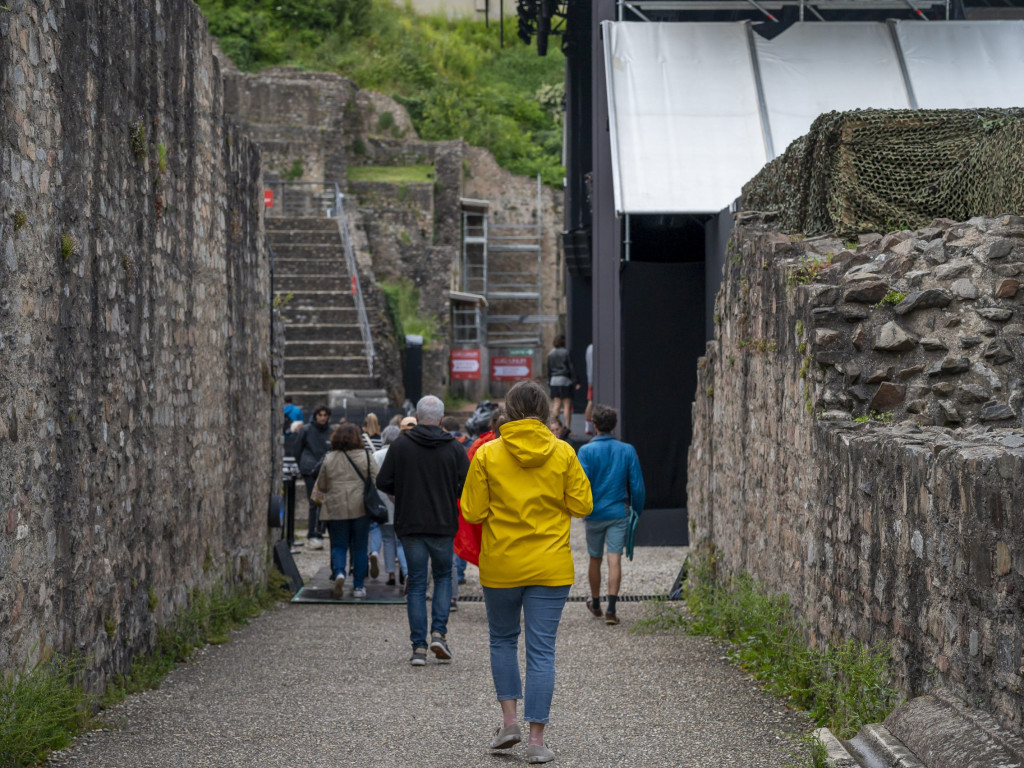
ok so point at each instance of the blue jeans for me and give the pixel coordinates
(392, 549)
(344, 533)
(418, 549)
(541, 608)
(374, 545)
(460, 566)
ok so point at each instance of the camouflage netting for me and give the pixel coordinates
(884, 170)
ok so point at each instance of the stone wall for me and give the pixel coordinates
(863, 455)
(135, 370)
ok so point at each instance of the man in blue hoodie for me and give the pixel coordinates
(618, 484)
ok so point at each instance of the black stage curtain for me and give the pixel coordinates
(663, 335)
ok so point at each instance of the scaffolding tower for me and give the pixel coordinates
(499, 301)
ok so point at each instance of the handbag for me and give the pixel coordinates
(317, 496)
(373, 505)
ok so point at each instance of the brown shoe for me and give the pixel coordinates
(611, 618)
(594, 608)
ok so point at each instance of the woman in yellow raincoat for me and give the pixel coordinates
(525, 488)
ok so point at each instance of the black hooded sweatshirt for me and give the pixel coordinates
(424, 471)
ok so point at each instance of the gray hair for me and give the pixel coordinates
(429, 410)
(389, 435)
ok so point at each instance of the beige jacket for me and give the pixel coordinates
(342, 486)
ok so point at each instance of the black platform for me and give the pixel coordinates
(321, 590)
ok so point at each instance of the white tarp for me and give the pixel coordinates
(965, 64)
(688, 129)
(683, 115)
(813, 68)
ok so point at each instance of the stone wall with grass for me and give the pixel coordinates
(135, 370)
(858, 444)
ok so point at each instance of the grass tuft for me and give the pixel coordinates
(41, 708)
(842, 686)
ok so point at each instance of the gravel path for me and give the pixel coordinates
(330, 685)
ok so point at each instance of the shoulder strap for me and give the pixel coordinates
(364, 479)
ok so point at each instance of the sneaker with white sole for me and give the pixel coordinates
(316, 543)
(374, 565)
(359, 592)
(339, 585)
(507, 737)
(439, 647)
(419, 657)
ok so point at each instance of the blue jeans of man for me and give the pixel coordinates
(418, 551)
(346, 533)
(541, 609)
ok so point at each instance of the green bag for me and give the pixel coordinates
(634, 521)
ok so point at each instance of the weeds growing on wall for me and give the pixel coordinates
(41, 708)
(842, 687)
(452, 76)
(403, 299)
(206, 621)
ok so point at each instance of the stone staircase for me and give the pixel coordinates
(324, 347)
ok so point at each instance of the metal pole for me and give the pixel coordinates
(501, 23)
(628, 241)
(763, 10)
(487, 14)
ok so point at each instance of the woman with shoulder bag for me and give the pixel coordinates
(342, 481)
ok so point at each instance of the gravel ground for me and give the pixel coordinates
(330, 685)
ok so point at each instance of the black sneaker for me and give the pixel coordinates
(594, 608)
(439, 647)
(419, 657)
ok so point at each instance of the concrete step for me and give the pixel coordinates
(299, 366)
(323, 299)
(309, 267)
(304, 237)
(329, 346)
(326, 382)
(327, 251)
(296, 283)
(323, 332)
(275, 224)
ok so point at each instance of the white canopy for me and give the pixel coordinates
(696, 109)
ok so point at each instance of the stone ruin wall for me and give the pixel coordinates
(326, 124)
(135, 371)
(905, 527)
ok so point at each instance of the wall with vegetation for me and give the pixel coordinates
(135, 376)
(858, 445)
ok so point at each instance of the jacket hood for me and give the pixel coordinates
(529, 441)
(428, 435)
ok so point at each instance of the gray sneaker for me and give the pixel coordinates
(439, 647)
(419, 657)
(538, 753)
(507, 737)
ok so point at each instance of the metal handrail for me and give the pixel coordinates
(337, 211)
(350, 259)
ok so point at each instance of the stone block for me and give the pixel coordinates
(893, 338)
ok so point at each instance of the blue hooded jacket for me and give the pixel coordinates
(615, 477)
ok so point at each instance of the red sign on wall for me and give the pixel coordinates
(511, 368)
(268, 198)
(465, 364)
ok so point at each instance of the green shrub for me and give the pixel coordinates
(452, 76)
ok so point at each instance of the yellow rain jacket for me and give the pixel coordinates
(524, 487)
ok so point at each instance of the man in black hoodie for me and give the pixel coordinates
(424, 471)
(314, 440)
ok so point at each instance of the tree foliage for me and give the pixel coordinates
(453, 77)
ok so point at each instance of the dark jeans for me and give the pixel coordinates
(345, 534)
(316, 528)
(418, 551)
